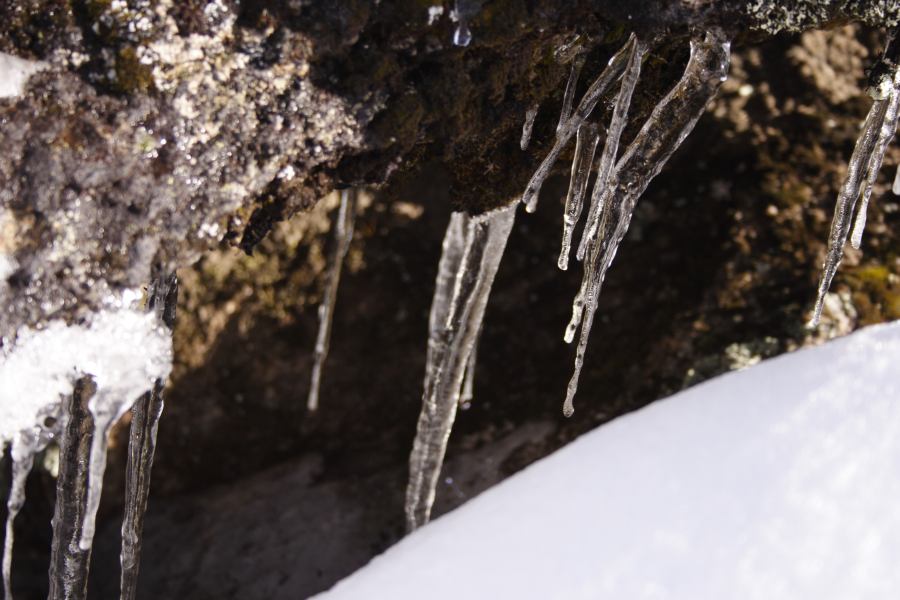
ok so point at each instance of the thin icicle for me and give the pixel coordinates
(468, 388)
(462, 35)
(145, 415)
(610, 74)
(69, 562)
(343, 236)
(472, 249)
(611, 147)
(884, 138)
(896, 187)
(673, 118)
(569, 95)
(846, 202)
(24, 446)
(528, 126)
(585, 145)
(877, 131)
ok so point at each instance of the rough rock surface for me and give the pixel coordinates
(718, 270)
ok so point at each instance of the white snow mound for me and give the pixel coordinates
(778, 482)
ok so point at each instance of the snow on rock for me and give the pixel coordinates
(124, 350)
(777, 482)
(14, 72)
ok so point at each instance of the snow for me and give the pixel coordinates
(14, 73)
(777, 482)
(125, 350)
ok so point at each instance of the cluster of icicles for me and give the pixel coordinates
(472, 249)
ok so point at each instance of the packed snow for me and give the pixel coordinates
(777, 482)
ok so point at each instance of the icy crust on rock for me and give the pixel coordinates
(123, 350)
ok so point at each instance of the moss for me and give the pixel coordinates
(131, 75)
(876, 293)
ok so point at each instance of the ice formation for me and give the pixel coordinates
(527, 126)
(865, 162)
(472, 249)
(461, 13)
(343, 236)
(122, 351)
(585, 145)
(895, 188)
(14, 73)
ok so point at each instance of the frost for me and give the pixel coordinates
(472, 249)
(343, 236)
(14, 74)
(865, 162)
(671, 121)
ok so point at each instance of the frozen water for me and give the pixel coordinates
(14, 74)
(585, 145)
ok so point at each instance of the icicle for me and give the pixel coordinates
(611, 147)
(843, 212)
(472, 249)
(69, 562)
(343, 236)
(671, 121)
(896, 187)
(22, 451)
(462, 35)
(569, 95)
(864, 164)
(612, 72)
(528, 125)
(145, 415)
(585, 145)
(885, 135)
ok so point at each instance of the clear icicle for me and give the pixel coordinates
(472, 249)
(69, 562)
(610, 74)
(611, 146)
(569, 95)
(865, 162)
(896, 187)
(145, 415)
(673, 118)
(462, 35)
(846, 202)
(888, 127)
(343, 236)
(24, 446)
(528, 126)
(585, 145)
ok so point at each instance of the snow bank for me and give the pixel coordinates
(14, 72)
(781, 481)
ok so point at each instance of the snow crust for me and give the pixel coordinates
(125, 350)
(14, 72)
(781, 481)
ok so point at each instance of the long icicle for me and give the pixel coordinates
(343, 236)
(673, 118)
(145, 415)
(611, 73)
(607, 159)
(585, 145)
(472, 249)
(24, 447)
(846, 202)
(569, 94)
(468, 388)
(69, 562)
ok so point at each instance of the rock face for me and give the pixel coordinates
(160, 134)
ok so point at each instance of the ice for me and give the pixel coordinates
(611, 147)
(569, 95)
(895, 188)
(669, 124)
(472, 249)
(585, 145)
(777, 482)
(610, 74)
(343, 228)
(14, 74)
(528, 126)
